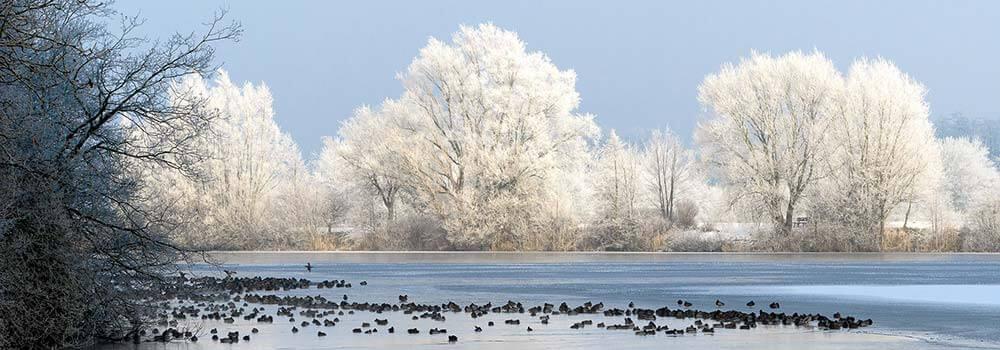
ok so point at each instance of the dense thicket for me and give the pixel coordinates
(78, 247)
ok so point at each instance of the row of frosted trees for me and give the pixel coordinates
(486, 149)
(855, 153)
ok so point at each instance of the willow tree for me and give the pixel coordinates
(887, 152)
(767, 128)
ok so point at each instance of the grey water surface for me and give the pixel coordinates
(923, 301)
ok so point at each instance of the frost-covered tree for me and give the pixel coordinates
(301, 210)
(768, 125)
(617, 187)
(928, 195)
(561, 219)
(982, 228)
(968, 172)
(670, 170)
(370, 151)
(617, 180)
(887, 153)
(249, 163)
(486, 128)
(332, 174)
(372, 177)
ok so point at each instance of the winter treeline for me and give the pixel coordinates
(486, 149)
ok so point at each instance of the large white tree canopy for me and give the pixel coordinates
(483, 134)
(251, 169)
(886, 152)
(769, 125)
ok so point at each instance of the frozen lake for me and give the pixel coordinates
(926, 301)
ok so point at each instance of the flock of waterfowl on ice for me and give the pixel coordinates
(227, 299)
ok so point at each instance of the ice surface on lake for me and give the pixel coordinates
(922, 301)
(936, 293)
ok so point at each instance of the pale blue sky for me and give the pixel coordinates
(638, 62)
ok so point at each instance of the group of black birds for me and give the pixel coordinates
(227, 299)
